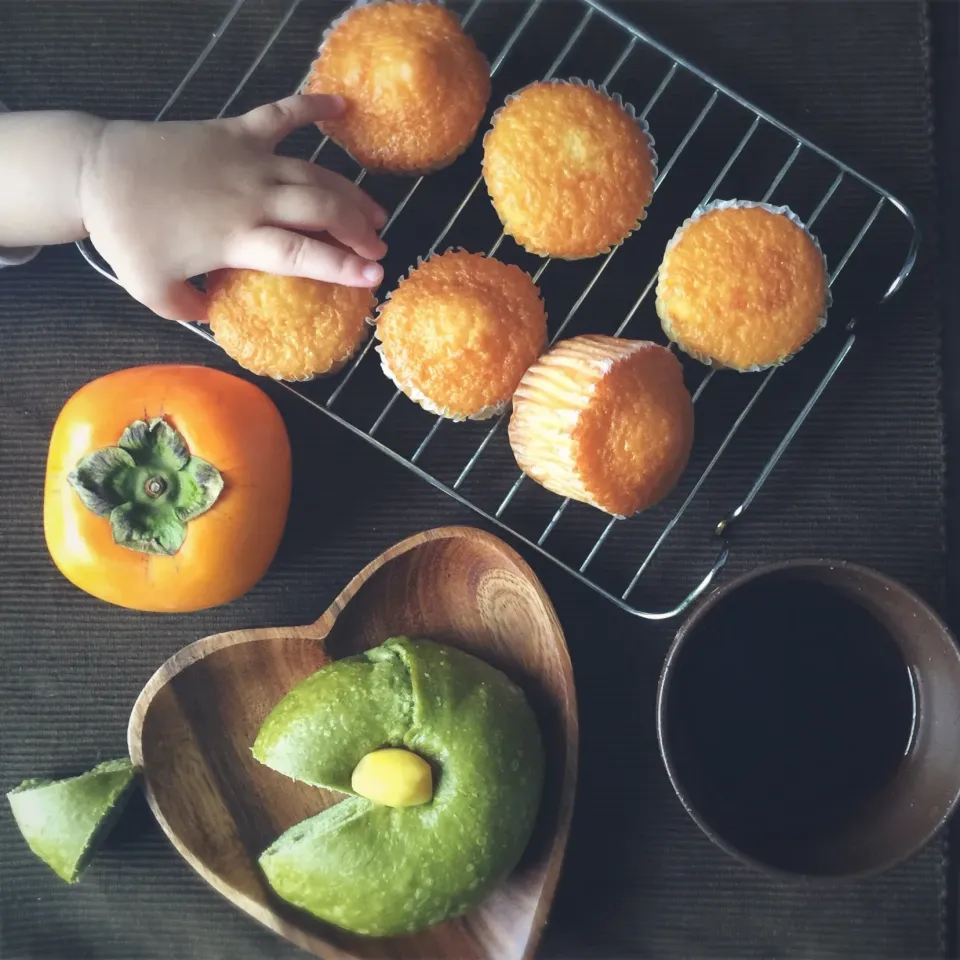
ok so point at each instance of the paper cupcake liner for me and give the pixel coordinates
(662, 312)
(548, 403)
(338, 21)
(630, 110)
(411, 391)
(420, 398)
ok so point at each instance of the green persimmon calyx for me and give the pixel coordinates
(149, 486)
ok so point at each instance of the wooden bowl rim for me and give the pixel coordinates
(318, 630)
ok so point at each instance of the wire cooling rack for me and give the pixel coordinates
(712, 144)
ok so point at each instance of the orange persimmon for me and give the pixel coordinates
(167, 487)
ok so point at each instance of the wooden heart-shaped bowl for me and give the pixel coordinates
(192, 727)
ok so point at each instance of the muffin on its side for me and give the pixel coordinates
(288, 328)
(569, 168)
(742, 286)
(605, 421)
(459, 332)
(415, 85)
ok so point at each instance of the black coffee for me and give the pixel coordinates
(788, 709)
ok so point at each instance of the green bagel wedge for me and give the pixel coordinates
(63, 821)
(379, 870)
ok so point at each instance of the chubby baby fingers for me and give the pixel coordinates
(314, 209)
(275, 250)
(303, 173)
(272, 122)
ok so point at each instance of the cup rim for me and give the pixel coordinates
(690, 624)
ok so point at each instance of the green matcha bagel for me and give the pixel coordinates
(379, 870)
(63, 821)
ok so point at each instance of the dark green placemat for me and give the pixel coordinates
(863, 481)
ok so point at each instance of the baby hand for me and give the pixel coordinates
(163, 202)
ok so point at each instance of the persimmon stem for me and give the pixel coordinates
(155, 487)
(149, 486)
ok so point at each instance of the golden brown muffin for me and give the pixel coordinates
(288, 328)
(742, 286)
(605, 421)
(569, 169)
(458, 333)
(415, 85)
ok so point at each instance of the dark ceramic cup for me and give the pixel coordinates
(899, 814)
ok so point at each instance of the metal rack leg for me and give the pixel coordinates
(809, 405)
(791, 433)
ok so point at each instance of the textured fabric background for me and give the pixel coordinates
(863, 481)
